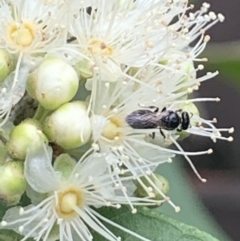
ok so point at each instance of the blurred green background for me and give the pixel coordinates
(221, 194)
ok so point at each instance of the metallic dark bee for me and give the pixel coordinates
(166, 119)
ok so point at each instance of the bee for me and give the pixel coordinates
(165, 120)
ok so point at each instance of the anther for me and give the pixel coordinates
(115, 110)
(169, 160)
(204, 180)
(59, 221)
(21, 211)
(177, 209)
(140, 160)
(214, 120)
(221, 17)
(118, 206)
(124, 189)
(148, 173)
(207, 38)
(20, 229)
(151, 195)
(134, 210)
(230, 138)
(231, 130)
(210, 151)
(4, 223)
(95, 147)
(150, 189)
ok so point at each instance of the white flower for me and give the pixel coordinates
(27, 29)
(127, 150)
(69, 201)
(117, 35)
(163, 86)
(10, 94)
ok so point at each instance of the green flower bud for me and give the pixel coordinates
(159, 181)
(56, 83)
(64, 164)
(84, 69)
(31, 84)
(13, 183)
(69, 126)
(7, 63)
(26, 134)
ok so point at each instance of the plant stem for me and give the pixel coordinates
(41, 113)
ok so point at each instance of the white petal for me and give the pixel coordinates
(15, 220)
(35, 197)
(94, 165)
(39, 171)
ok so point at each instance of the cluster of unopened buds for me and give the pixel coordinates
(92, 95)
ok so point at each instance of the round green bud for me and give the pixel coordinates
(7, 63)
(57, 83)
(13, 183)
(31, 84)
(26, 134)
(69, 126)
(84, 69)
(160, 183)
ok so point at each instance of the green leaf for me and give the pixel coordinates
(224, 57)
(230, 69)
(8, 235)
(151, 224)
(182, 194)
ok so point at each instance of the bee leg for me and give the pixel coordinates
(163, 109)
(155, 108)
(179, 129)
(153, 135)
(162, 133)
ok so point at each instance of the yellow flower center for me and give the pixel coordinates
(111, 130)
(68, 200)
(21, 35)
(97, 46)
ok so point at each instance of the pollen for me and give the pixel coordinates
(21, 35)
(68, 201)
(111, 130)
(97, 46)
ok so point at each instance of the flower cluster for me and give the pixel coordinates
(93, 95)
